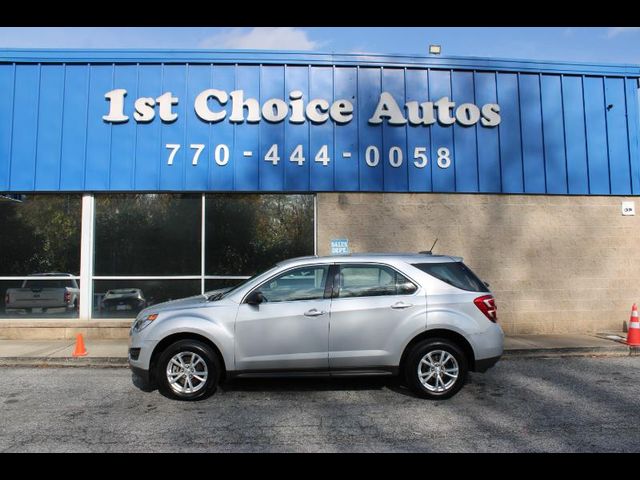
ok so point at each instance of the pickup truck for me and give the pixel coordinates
(42, 295)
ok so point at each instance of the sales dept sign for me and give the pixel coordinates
(340, 246)
(214, 106)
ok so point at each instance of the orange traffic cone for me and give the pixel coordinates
(633, 335)
(80, 351)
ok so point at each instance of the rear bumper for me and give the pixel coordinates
(485, 364)
(27, 310)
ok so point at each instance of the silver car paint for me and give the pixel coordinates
(354, 332)
(212, 320)
(280, 336)
(366, 331)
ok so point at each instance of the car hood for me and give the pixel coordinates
(188, 302)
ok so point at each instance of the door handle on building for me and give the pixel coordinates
(401, 305)
(314, 313)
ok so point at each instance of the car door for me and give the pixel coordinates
(290, 329)
(374, 309)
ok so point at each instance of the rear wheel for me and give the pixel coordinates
(436, 369)
(188, 370)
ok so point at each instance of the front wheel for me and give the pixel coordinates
(188, 370)
(436, 369)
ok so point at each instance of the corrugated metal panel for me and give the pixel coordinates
(633, 131)
(562, 130)
(420, 178)
(146, 56)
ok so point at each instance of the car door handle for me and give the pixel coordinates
(314, 312)
(401, 305)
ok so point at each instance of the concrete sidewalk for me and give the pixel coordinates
(607, 343)
(60, 353)
(113, 353)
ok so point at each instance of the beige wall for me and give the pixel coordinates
(556, 264)
(63, 329)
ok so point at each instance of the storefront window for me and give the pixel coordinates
(147, 248)
(40, 247)
(147, 234)
(40, 297)
(215, 284)
(125, 298)
(249, 233)
(40, 233)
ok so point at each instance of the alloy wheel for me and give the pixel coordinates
(187, 373)
(438, 371)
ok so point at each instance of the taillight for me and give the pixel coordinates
(67, 297)
(487, 305)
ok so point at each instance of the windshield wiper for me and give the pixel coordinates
(215, 296)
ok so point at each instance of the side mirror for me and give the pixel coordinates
(255, 298)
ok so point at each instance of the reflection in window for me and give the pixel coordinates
(126, 298)
(248, 233)
(306, 283)
(217, 284)
(147, 234)
(371, 281)
(155, 235)
(40, 233)
(39, 298)
(454, 273)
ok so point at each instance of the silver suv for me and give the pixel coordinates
(425, 317)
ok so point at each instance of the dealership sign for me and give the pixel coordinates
(190, 121)
(317, 110)
(209, 106)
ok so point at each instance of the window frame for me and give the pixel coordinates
(328, 286)
(52, 275)
(335, 294)
(86, 276)
(464, 266)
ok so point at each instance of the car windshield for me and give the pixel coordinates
(217, 295)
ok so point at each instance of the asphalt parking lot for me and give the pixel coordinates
(579, 404)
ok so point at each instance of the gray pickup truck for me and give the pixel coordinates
(42, 295)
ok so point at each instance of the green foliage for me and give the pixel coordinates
(249, 233)
(40, 234)
(156, 234)
(147, 234)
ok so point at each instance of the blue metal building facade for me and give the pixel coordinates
(564, 128)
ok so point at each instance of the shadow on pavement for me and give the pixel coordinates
(313, 384)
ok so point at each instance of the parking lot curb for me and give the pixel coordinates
(115, 362)
(618, 351)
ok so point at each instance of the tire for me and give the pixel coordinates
(433, 351)
(191, 352)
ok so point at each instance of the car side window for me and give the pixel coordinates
(372, 281)
(305, 283)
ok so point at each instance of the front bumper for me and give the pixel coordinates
(140, 351)
(142, 378)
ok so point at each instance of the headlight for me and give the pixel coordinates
(143, 322)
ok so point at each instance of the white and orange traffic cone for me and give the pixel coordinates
(633, 333)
